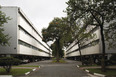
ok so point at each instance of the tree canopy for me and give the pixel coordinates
(8, 62)
(110, 35)
(3, 37)
(58, 32)
(97, 12)
(92, 8)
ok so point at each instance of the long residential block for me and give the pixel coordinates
(25, 39)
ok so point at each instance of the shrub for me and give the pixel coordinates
(107, 62)
(8, 62)
(113, 59)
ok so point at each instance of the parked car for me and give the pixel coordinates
(25, 61)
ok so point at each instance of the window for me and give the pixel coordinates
(30, 46)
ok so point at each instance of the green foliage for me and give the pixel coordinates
(27, 66)
(97, 12)
(82, 8)
(113, 59)
(8, 62)
(60, 61)
(94, 65)
(59, 32)
(15, 72)
(108, 73)
(54, 52)
(3, 37)
(110, 35)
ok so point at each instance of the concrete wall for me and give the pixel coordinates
(87, 50)
(97, 49)
(21, 29)
(11, 29)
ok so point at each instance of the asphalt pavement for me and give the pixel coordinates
(48, 69)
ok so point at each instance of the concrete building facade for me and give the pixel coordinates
(88, 50)
(25, 39)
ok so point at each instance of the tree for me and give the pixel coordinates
(8, 62)
(3, 37)
(57, 31)
(110, 35)
(82, 34)
(54, 53)
(101, 11)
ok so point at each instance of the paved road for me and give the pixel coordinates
(49, 69)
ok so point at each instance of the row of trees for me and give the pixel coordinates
(97, 12)
(80, 15)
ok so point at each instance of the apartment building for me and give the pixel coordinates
(88, 50)
(25, 40)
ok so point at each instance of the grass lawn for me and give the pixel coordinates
(93, 65)
(14, 71)
(89, 65)
(27, 66)
(60, 61)
(109, 72)
(112, 65)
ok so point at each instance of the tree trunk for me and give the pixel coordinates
(103, 50)
(91, 59)
(102, 39)
(80, 53)
(7, 68)
(57, 53)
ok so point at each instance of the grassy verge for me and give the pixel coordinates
(60, 61)
(26, 66)
(109, 72)
(94, 65)
(88, 65)
(112, 65)
(14, 72)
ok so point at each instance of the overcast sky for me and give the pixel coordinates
(40, 12)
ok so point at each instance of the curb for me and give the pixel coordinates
(34, 69)
(95, 74)
(87, 71)
(6, 76)
(31, 71)
(27, 73)
(78, 66)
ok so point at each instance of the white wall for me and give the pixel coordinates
(11, 29)
(28, 51)
(97, 49)
(31, 31)
(88, 50)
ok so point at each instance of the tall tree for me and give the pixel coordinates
(54, 48)
(4, 38)
(57, 31)
(101, 11)
(110, 35)
(81, 34)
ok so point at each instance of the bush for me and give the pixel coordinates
(8, 62)
(113, 59)
(107, 62)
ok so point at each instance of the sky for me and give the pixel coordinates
(39, 12)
